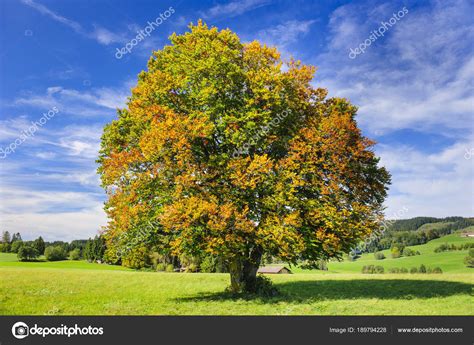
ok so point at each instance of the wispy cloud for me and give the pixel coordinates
(93, 102)
(234, 8)
(285, 33)
(412, 77)
(101, 35)
(53, 15)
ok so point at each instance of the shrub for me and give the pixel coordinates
(55, 253)
(368, 269)
(75, 254)
(437, 270)
(169, 268)
(191, 268)
(422, 269)
(403, 270)
(395, 252)
(413, 270)
(408, 252)
(379, 269)
(160, 267)
(379, 256)
(394, 270)
(27, 253)
(469, 260)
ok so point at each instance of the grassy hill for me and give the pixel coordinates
(449, 262)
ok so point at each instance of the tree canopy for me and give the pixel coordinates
(228, 150)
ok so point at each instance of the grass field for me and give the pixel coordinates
(63, 291)
(82, 288)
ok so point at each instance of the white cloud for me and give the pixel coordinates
(438, 184)
(285, 33)
(94, 102)
(419, 75)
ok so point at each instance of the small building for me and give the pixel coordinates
(274, 270)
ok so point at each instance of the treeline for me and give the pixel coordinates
(411, 236)
(91, 249)
(414, 223)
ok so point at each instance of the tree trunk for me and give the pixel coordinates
(243, 272)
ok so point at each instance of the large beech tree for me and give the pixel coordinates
(226, 150)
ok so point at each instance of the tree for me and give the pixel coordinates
(75, 254)
(27, 253)
(94, 249)
(228, 153)
(16, 237)
(6, 237)
(15, 246)
(39, 245)
(395, 252)
(379, 256)
(55, 253)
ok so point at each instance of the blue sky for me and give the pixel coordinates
(413, 87)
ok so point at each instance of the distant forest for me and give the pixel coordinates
(414, 231)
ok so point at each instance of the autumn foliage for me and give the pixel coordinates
(307, 187)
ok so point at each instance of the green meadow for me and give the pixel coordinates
(82, 288)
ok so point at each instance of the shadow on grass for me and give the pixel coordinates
(321, 290)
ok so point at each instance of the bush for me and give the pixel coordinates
(379, 256)
(160, 267)
(422, 269)
(55, 253)
(192, 268)
(379, 269)
(394, 270)
(395, 252)
(408, 252)
(169, 268)
(403, 270)
(413, 270)
(437, 270)
(27, 253)
(469, 260)
(75, 254)
(368, 269)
